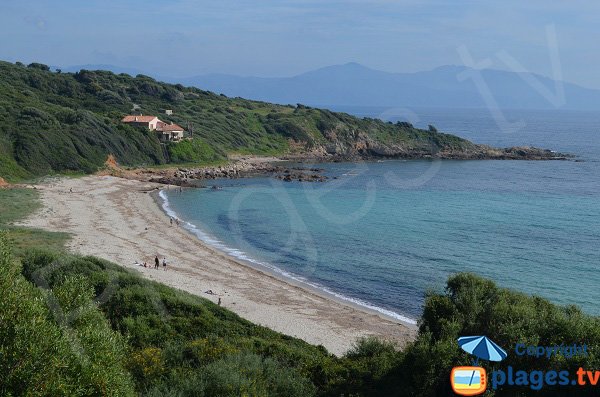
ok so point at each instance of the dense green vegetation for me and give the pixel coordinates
(475, 306)
(56, 122)
(121, 334)
(56, 342)
(177, 344)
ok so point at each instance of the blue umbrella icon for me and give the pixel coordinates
(482, 347)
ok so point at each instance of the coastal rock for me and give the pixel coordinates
(358, 145)
(193, 177)
(369, 149)
(166, 180)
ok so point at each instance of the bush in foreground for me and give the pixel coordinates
(69, 350)
(180, 344)
(474, 306)
(153, 340)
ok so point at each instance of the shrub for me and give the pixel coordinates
(195, 150)
(206, 350)
(39, 66)
(147, 363)
(69, 350)
(252, 375)
(474, 306)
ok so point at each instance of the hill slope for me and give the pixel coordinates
(57, 122)
(124, 335)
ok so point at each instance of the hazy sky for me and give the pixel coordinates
(286, 37)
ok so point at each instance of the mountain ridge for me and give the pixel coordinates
(354, 84)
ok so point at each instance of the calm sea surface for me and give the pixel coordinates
(384, 233)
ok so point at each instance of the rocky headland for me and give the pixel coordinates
(289, 168)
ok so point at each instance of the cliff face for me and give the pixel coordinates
(56, 122)
(361, 145)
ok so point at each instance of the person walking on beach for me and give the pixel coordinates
(171, 220)
(165, 264)
(156, 262)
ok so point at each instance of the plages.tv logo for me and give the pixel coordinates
(471, 381)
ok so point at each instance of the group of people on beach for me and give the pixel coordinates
(157, 263)
(164, 261)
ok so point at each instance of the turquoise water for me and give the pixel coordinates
(384, 233)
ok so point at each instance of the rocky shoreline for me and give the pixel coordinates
(474, 152)
(194, 177)
(287, 168)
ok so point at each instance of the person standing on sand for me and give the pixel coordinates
(165, 264)
(156, 262)
(171, 220)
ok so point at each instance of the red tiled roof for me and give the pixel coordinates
(164, 127)
(137, 119)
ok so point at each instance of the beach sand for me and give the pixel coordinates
(118, 220)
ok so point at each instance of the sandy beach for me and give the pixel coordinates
(117, 219)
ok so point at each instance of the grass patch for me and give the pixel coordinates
(16, 204)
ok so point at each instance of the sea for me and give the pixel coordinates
(383, 234)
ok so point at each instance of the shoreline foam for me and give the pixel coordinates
(238, 255)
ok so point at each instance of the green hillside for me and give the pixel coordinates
(60, 122)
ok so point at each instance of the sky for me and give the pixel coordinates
(276, 38)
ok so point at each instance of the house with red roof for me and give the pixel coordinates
(149, 122)
(167, 132)
(170, 132)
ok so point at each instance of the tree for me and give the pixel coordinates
(39, 66)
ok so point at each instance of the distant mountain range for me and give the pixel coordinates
(353, 84)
